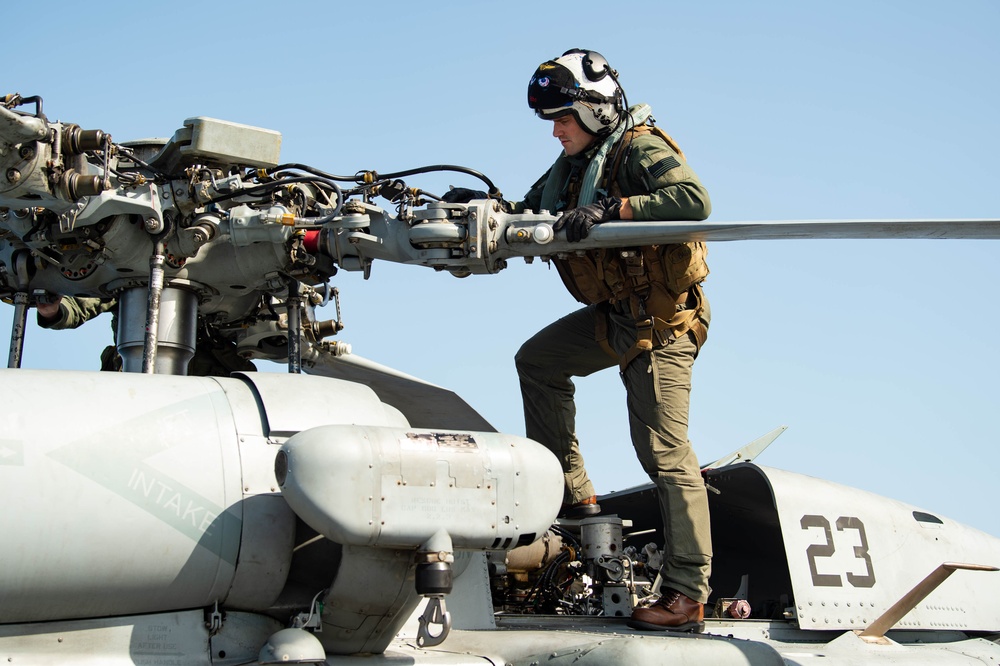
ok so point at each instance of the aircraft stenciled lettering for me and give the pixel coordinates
(825, 550)
(184, 507)
(158, 646)
(860, 552)
(165, 497)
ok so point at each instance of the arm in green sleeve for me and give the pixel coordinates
(660, 185)
(75, 311)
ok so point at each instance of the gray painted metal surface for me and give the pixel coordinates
(372, 486)
(852, 554)
(129, 479)
(424, 405)
(158, 639)
(190, 469)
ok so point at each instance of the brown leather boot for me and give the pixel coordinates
(582, 509)
(672, 612)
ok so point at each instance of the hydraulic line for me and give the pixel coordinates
(17, 329)
(153, 307)
(294, 328)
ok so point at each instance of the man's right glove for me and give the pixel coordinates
(462, 195)
(579, 220)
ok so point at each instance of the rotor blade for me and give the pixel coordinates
(845, 229)
(747, 452)
(521, 239)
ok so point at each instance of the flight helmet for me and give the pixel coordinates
(581, 83)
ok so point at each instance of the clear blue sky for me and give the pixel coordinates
(880, 356)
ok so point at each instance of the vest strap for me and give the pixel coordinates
(653, 332)
(601, 329)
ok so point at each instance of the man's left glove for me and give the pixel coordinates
(579, 220)
(462, 195)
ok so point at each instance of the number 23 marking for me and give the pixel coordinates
(822, 550)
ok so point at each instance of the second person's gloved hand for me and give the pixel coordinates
(579, 220)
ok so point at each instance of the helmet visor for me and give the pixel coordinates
(552, 87)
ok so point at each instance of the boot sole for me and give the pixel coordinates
(581, 512)
(687, 627)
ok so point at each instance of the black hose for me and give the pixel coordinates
(357, 177)
(129, 154)
(494, 192)
(566, 534)
(544, 579)
(312, 170)
(264, 188)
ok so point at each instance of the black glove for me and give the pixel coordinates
(579, 220)
(462, 195)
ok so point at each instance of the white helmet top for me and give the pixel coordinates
(581, 83)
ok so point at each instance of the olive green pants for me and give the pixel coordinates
(658, 387)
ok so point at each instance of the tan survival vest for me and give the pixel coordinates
(660, 283)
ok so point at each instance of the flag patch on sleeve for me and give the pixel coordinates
(666, 164)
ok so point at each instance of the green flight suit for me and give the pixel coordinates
(660, 186)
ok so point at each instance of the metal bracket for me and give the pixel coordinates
(435, 613)
(875, 633)
(67, 219)
(214, 621)
(615, 568)
(313, 620)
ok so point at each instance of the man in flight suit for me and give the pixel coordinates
(645, 313)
